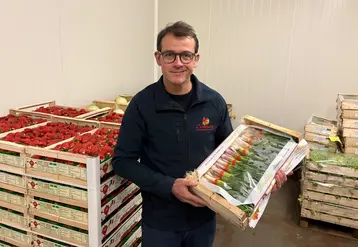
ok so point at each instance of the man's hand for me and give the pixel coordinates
(181, 191)
(281, 178)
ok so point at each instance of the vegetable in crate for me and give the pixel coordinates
(242, 165)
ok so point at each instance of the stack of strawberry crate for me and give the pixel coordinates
(347, 115)
(46, 186)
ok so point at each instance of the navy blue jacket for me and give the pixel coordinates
(169, 142)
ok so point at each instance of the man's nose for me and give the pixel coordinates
(177, 61)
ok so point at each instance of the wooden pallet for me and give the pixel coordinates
(330, 198)
(327, 225)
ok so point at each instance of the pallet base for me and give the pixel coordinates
(329, 228)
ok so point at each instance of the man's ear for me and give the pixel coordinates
(196, 61)
(157, 58)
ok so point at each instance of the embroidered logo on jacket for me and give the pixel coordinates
(205, 125)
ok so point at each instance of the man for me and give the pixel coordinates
(172, 126)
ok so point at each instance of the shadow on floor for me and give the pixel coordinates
(278, 227)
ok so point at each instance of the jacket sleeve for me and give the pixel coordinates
(127, 153)
(225, 128)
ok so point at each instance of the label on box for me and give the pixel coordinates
(106, 167)
(8, 216)
(323, 131)
(320, 139)
(58, 231)
(59, 211)
(12, 198)
(119, 235)
(40, 242)
(121, 215)
(57, 168)
(111, 184)
(12, 160)
(14, 235)
(58, 190)
(356, 113)
(15, 180)
(117, 201)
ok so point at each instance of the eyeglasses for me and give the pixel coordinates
(185, 57)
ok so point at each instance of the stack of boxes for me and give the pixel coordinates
(318, 131)
(347, 116)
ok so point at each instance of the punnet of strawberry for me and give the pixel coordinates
(12, 122)
(61, 111)
(46, 135)
(101, 143)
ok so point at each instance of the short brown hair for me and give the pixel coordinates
(178, 29)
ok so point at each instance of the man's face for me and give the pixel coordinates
(177, 72)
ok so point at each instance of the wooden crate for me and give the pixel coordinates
(330, 194)
(123, 230)
(348, 123)
(15, 236)
(64, 195)
(347, 114)
(92, 116)
(332, 148)
(347, 101)
(351, 150)
(121, 215)
(321, 126)
(321, 139)
(59, 231)
(216, 202)
(350, 142)
(353, 133)
(59, 212)
(31, 109)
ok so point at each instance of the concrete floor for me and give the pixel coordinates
(280, 224)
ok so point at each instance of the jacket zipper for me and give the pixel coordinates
(178, 132)
(187, 137)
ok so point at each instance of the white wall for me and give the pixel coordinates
(278, 60)
(74, 51)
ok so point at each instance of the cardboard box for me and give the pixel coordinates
(321, 139)
(117, 200)
(124, 230)
(332, 148)
(121, 215)
(59, 231)
(347, 101)
(321, 126)
(351, 150)
(350, 142)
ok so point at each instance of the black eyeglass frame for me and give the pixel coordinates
(193, 56)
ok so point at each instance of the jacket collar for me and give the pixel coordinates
(164, 102)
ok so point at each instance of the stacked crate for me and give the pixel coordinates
(330, 193)
(52, 198)
(318, 131)
(347, 115)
